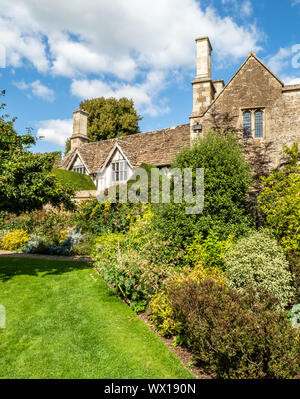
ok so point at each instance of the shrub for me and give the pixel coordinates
(294, 261)
(294, 315)
(136, 265)
(38, 245)
(162, 315)
(63, 245)
(99, 218)
(14, 240)
(234, 335)
(160, 307)
(86, 246)
(259, 261)
(280, 202)
(227, 179)
(209, 251)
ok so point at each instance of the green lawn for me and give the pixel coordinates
(62, 324)
(78, 181)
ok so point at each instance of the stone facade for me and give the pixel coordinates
(254, 87)
(253, 90)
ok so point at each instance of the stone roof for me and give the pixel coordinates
(157, 148)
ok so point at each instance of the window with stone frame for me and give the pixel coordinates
(253, 123)
(119, 171)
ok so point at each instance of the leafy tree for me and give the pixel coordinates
(67, 146)
(110, 118)
(227, 179)
(26, 182)
(279, 201)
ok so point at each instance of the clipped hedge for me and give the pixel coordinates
(77, 181)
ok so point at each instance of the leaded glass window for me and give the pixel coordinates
(247, 124)
(259, 130)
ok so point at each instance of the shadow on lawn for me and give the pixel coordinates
(18, 266)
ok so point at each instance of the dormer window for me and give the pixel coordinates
(78, 166)
(79, 169)
(253, 123)
(119, 171)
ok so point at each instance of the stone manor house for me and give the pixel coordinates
(255, 102)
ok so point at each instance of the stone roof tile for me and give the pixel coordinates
(157, 148)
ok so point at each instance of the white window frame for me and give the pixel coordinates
(79, 169)
(119, 171)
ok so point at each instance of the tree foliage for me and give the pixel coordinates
(110, 118)
(26, 182)
(226, 181)
(279, 201)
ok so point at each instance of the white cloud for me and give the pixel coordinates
(37, 89)
(55, 131)
(243, 8)
(142, 94)
(246, 8)
(287, 58)
(123, 41)
(295, 2)
(280, 60)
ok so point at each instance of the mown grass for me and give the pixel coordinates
(78, 181)
(60, 323)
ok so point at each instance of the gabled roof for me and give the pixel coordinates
(157, 148)
(251, 55)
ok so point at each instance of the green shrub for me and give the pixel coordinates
(75, 180)
(279, 201)
(227, 179)
(162, 315)
(14, 239)
(98, 218)
(294, 315)
(136, 266)
(234, 335)
(161, 312)
(86, 246)
(209, 251)
(258, 260)
(294, 262)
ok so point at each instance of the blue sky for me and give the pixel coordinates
(54, 54)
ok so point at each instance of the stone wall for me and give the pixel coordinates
(255, 87)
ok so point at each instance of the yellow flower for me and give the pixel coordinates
(107, 206)
(63, 235)
(14, 239)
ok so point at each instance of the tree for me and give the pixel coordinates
(67, 146)
(26, 182)
(279, 201)
(227, 179)
(110, 118)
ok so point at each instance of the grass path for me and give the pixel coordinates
(62, 324)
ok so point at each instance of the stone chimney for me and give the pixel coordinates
(79, 136)
(203, 87)
(219, 86)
